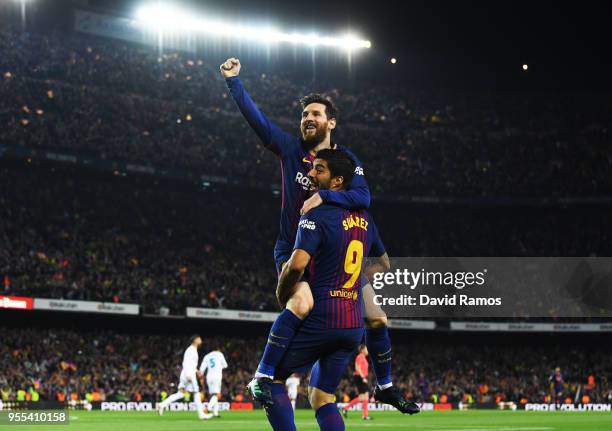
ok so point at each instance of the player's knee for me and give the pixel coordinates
(299, 307)
(376, 322)
(301, 302)
(317, 398)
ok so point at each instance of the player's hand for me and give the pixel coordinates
(365, 380)
(310, 203)
(231, 67)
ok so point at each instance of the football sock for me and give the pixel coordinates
(280, 415)
(379, 346)
(329, 418)
(282, 332)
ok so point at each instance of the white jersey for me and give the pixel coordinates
(292, 384)
(190, 360)
(213, 364)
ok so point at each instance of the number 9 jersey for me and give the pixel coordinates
(337, 241)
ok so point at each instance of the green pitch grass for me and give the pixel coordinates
(483, 420)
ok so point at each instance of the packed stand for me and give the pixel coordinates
(79, 234)
(114, 100)
(61, 364)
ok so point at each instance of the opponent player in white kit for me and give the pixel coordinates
(293, 383)
(213, 364)
(188, 381)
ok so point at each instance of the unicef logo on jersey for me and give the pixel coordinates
(307, 224)
(358, 170)
(303, 180)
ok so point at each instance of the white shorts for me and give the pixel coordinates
(214, 385)
(189, 382)
(292, 394)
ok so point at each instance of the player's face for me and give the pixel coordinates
(198, 342)
(315, 125)
(320, 176)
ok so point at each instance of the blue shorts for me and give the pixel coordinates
(326, 351)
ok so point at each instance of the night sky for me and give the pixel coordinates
(449, 43)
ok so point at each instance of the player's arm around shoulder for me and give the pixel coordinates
(356, 196)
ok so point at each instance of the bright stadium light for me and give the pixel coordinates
(167, 18)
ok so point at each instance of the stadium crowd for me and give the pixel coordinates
(114, 100)
(76, 234)
(61, 364)
(123, 242)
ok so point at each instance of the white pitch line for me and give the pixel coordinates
(497, 428)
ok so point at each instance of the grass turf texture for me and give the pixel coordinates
(482, 420)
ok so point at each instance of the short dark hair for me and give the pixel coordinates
(193, 338)
(339, 163)
(330, 109)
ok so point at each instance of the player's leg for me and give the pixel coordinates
(280, 413)
(197, 399)
(355, 400)
(300, 357)
(326, 412)
(283, 330)
(191, 385)
(213, 405)
(379, 347)
(281, 334)
(214, 388)
(178, 395)
(365, 399)
(377, 338)
(327, 373)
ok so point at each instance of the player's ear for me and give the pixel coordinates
(338, 181)
(331, 124)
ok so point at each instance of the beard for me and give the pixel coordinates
(311, 141)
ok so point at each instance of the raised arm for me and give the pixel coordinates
(272, 137)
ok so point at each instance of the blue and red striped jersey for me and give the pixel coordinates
(295, 162)
(337, 241)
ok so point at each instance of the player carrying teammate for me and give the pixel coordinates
(332, 243)
(188, 382)
(293, 383)
(213, 365)
(296, 155)
(360, 379)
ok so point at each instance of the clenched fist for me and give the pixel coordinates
(230, 68)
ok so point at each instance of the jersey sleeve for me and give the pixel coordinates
(273, 138)
(223, 361)
(357, 196)
(310, 232)
(377, 248)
